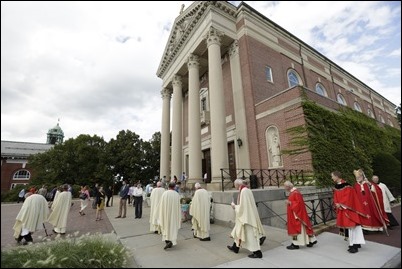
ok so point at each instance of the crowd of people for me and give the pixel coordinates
(362, 207)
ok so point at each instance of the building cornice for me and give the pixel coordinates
(184, 25)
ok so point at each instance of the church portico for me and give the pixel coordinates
(199, 123)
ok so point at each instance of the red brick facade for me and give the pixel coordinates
(8, 169)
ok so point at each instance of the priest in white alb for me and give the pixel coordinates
(60, 209)
(32, 215)
(156, 195)
(200, 211)
(170, 216)
(248, 231)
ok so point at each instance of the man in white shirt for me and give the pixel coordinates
(138, 201)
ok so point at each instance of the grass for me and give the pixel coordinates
(93, 251)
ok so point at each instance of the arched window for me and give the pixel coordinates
(293, 78)
(390, 123)
(382, 119)
(370, 113)
(22, 174)
(341, 100)
(357, 107)
(320, 90)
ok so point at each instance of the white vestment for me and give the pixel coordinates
(169, 216)
(248, 228)
(60, 209)
(32, 215)
(156, 195)
(303, 239)
(200, 211)
(387, 197)
(356, 235)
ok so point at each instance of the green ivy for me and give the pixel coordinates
(344, 140)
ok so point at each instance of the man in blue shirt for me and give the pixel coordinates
(123, 199)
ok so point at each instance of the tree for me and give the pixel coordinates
(76, 161)
(151, 161)
(124, 155)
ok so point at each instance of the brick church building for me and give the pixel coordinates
(232, 82)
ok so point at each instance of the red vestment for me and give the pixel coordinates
(297, 214)
(372, 205)
(349, 214)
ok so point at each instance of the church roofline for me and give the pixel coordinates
(313, 50)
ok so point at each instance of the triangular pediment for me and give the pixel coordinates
(182, 28)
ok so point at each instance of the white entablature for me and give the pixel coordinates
(183, 27)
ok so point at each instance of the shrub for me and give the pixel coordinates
(84, 252)
(388, 169)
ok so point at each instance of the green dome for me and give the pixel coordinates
(55, 135)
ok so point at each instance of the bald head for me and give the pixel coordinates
(197, 186)
(159, 184)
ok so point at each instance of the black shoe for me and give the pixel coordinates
(292, 246)
(234, 248)
(357, 246)
(262, 239)
(353, 250)
(168, 245)
(256, 254)
(205, 239)
(311, 244)
(155, 232)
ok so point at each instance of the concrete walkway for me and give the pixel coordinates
(330, 252)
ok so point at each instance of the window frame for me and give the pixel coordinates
(267, 67)
(292, 71)
(343, 102)
(19, 176)
(322, 88)
(357, 106)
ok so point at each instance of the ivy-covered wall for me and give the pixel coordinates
(345, 140)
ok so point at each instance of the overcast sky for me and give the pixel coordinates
(93, 64)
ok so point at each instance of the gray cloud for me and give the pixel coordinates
(93, 64)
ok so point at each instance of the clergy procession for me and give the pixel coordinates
(360, 208)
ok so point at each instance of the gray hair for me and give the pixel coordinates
(288, 184)
(197, 185)
(238, 182)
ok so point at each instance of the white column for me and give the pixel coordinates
(219, 148)
(194, 124)
(165, 134)
(242, 156)
(177, 127)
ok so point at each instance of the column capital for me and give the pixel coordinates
(166, 93)
(213, 36)
(234, 48)
(177, 80)
(193, 61)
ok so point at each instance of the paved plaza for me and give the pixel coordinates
(147, 248)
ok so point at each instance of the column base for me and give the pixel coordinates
(216, 185)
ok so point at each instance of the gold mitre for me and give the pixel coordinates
(358, 172)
